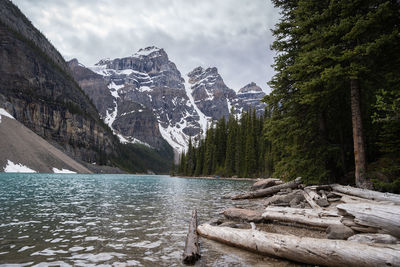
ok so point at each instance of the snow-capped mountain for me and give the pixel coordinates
(249, 97)
(210, 93)
(144, 97)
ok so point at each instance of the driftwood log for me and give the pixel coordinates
(192, 248)
(322, 219)
(309, 217)
(310, 201)
(368, 194)
(374, 238)
(384, 217)
(268, 191)
(304, 249)
(264, 183)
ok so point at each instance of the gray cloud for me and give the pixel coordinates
(232, 35)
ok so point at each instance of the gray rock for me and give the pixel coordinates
(323, 202)
(339, 232)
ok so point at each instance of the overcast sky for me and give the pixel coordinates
(232, 35)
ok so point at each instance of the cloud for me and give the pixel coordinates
(232, 35)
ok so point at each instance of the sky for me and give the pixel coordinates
(232, 35)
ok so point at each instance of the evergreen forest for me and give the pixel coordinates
(333, 113)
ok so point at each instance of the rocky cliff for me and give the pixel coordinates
(145, 99)
(36, 87)
(142, 98)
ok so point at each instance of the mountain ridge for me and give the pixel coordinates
(181, 106)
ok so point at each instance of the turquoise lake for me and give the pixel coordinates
(111, 220)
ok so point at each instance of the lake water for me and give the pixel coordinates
(111, 220)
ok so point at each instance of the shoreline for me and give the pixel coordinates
(220, 178)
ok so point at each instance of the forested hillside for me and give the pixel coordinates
(334, 109)
(232, 148)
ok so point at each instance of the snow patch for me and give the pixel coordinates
(114, 89)
(110, 117)
(12, 167)
(3, 112)
(147, 51)
(55, 170)
(132, 140)
(203, 118)
(144, 89)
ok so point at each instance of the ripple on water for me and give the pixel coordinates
(109, 220)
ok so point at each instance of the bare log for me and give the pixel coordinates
(268, 191)
(323, 202)
(349, 222)
(384, 217)
(311, 201)
(374, 238)
(303, 249)
(192, 248)
(368, 194)
(309, 217)
(265, 183)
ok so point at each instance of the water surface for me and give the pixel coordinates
(111, 220)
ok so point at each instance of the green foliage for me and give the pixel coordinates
(233, 147)
(320, 48)
(137, 158)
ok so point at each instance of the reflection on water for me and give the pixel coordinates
(110, 220)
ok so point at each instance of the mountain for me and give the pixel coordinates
(249, 97)
(144, 98)
(24, 151)
(38, 89)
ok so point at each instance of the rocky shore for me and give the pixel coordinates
(328, 225)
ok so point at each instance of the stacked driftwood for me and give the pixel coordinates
(362, 226)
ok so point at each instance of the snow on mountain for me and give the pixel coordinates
(145, 98)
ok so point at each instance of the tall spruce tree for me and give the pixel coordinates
(329, 68)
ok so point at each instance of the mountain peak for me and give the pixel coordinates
(250, 88)
(148, 51)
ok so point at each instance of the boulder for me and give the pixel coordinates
(339, 232)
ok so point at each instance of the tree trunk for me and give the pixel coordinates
(304, 249)
(192, 247)
(358, 136)
(268, 191)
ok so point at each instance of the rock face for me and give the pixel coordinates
(249, 96)
(210, 93)
(36, 87)
(144, 97)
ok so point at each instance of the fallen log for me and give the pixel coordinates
(349, 222)
(307, 217)
(265, 183)
(304, 249)
(374, 238)
(368, 194)
(268, 191)
(310, 201)
(322, 202)
(192, 248)
(384, 217)
(322, 219)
